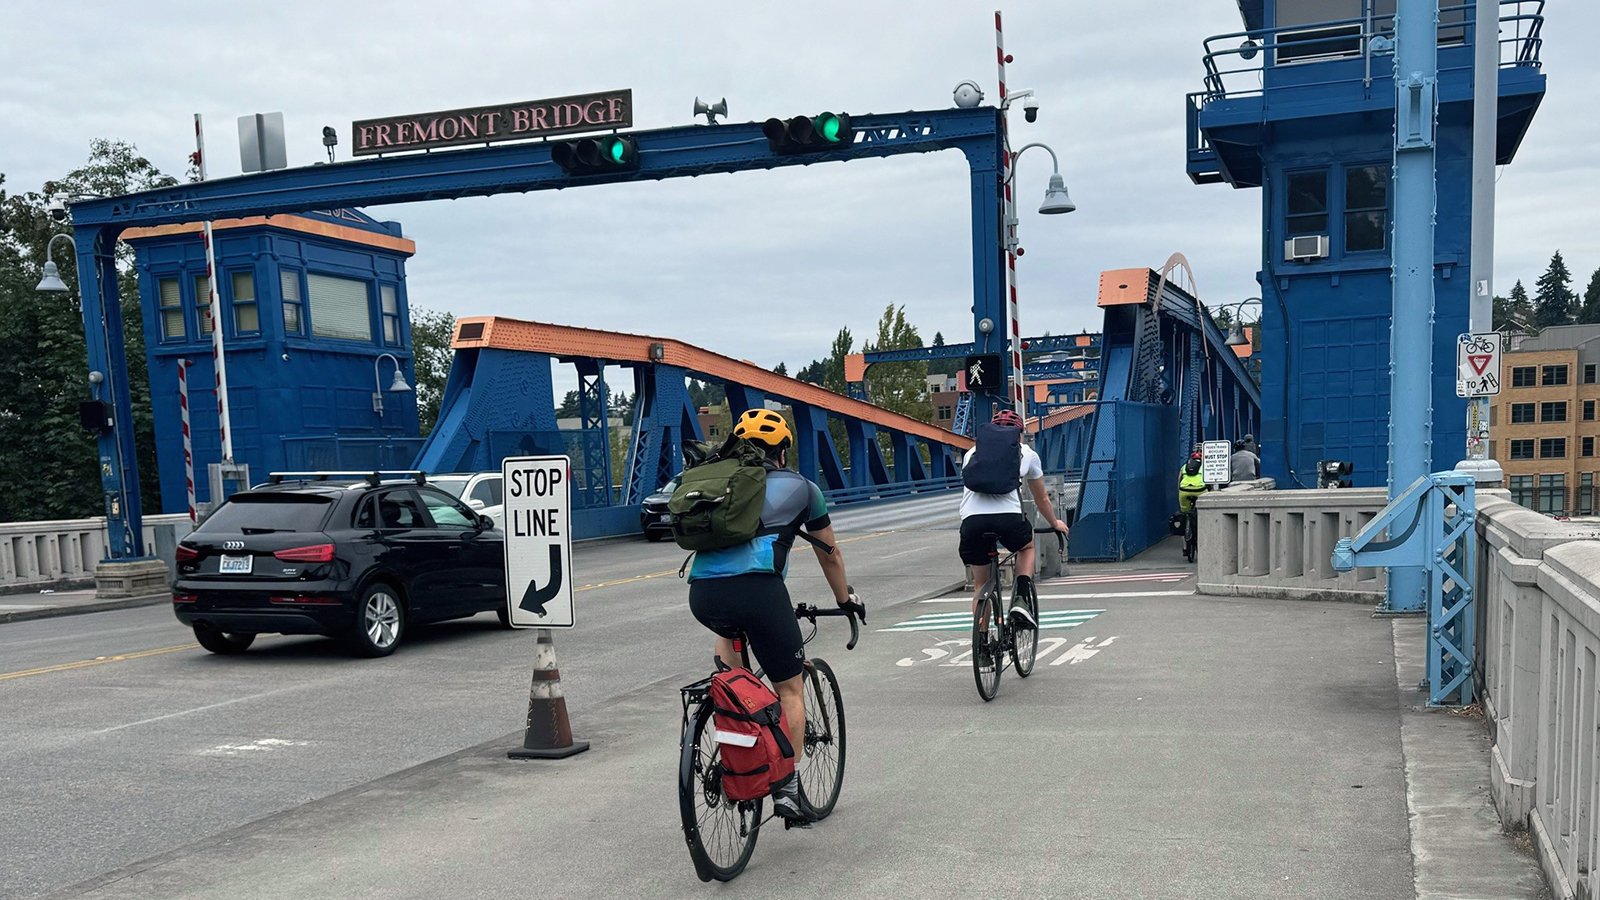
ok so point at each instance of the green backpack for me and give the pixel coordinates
(720, 495)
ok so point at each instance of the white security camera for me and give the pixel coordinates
(1030, 109)
(968, 94)
(56, 209)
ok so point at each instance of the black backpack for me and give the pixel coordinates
(996, 467)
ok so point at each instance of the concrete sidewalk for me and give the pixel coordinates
(1168, 744)
(47, 603)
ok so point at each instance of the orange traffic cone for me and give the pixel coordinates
(549, 734)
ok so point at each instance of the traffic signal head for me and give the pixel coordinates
(596, 156)
(809, 134)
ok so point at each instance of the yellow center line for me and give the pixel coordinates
(123, 657)
(97, 661)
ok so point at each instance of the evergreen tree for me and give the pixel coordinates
(781, 369)
(1553, 298)
(944, 367)
(1590, 313)
(814, 373)
(833, 378)
(1515, 312)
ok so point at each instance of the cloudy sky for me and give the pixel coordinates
(764, 266)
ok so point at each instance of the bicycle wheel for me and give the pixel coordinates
(1190, 538)
(987, 657)
(1025, 641)
(721, 833)
(820, 767)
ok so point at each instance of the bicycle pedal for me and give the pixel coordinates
(796, 823)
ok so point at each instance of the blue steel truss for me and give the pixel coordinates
(482, 171)
(1432, 527)
(1167, 378)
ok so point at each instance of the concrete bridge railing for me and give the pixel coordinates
(1539, 654)
(1257, 542)
(36, 555)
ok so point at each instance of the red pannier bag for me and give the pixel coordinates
(749, 721)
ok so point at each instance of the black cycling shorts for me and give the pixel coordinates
(756, 604)
(1013, 528)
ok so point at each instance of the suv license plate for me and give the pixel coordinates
(236, 565)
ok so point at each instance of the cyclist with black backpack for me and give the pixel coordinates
(741, 533)
(992, 474)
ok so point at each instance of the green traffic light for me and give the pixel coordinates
(616, 150)
(828, 127)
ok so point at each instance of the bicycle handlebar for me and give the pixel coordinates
(1061, 536)
(853, 610)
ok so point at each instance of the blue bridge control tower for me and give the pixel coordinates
(1301, 105)
(310, 304)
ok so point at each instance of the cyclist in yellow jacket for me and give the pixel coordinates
(1191, 484)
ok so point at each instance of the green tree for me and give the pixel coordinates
(1553, 299)
(833, 377)
(48, 464)
(944, 367)
(431, 332)
(900, 387)
(1590, 313)
(781, 369)
(1515, 312)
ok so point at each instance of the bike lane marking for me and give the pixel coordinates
(962, 621)
(954, 652)
(1100, 596)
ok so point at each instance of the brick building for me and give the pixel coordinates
(1545, 425)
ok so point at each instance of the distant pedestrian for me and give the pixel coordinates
(1243, 465)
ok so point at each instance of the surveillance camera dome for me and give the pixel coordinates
(968, 94)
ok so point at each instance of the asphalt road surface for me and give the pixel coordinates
(122, 739)
(1167, 745)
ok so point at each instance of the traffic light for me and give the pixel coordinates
(985, 373)
(596, 156)
(809, 134)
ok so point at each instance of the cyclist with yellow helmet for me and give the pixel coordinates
(740, 589)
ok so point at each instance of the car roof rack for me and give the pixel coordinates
(372, 477)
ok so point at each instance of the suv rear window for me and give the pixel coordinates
(261, 513)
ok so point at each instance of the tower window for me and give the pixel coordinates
(1366, 208)
(1307, 210)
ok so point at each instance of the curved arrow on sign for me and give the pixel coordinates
(535, 597)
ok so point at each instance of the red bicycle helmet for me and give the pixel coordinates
(1007, 417)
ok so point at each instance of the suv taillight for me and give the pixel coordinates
(314, 553)
(186, 554)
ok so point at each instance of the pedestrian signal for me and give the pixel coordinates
(809, 134)
(596, 156)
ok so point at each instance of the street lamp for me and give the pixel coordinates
(1236, 336)
(1056, 200)
(51, 282)
(397, 386)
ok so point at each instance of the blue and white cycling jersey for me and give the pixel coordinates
(793, 502)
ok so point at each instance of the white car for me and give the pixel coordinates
(479, 490)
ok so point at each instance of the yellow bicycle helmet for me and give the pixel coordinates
(765, 427)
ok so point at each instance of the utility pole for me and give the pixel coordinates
(1485, 114)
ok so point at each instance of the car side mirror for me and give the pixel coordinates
(485, 523)
(475, 503)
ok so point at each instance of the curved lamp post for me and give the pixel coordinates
(397, 386)
(1236, 336)
(51, 282)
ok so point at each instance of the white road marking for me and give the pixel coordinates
(254, 746)
(198, 709)
(1102, 596)
(1084, 650)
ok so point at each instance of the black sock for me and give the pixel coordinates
(1024, 585)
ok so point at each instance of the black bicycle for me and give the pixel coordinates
(721, 833)
(993, 636)
(1191, 535)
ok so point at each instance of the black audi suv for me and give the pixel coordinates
(352, 557)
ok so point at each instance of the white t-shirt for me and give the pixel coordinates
(976, 504)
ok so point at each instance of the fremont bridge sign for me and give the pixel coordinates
(488, 124)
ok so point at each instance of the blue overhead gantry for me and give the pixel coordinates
(505, 168)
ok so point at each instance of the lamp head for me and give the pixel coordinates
(399, 386)
(51, 282)
(1236, 336)
(1056, 200)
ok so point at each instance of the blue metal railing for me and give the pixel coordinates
(1246, 55)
